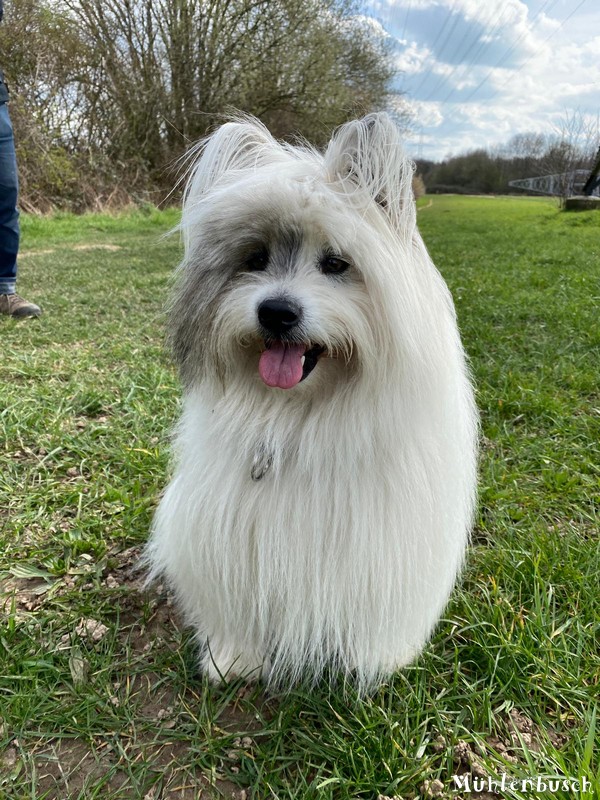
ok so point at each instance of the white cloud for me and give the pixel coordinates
(428, 115)
(548, 23)
(499, 68)
(411, 60)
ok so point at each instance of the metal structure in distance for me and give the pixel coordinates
(561, 185)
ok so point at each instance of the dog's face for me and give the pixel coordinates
(278, 284)
(277, 295)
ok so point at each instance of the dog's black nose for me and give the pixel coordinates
(278, 316)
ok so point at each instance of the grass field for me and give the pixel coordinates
(99, 697)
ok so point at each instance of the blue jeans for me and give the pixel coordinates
(9, 216)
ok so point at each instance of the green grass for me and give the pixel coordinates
(87, 398)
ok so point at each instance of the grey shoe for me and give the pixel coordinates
(16, 306)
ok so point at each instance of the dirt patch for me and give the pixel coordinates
(21, 596)
(523, 731)
(34, 253)
(422, 208)
(110, 247)
(66, 767)
(70, 768)
(79, 247)
(142, 751)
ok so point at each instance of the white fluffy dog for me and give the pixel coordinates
(325, 460)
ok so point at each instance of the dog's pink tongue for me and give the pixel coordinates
(281, 365)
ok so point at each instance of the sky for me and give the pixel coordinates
(476, 72)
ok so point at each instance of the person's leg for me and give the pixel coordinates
(10, 302)
(9, 216)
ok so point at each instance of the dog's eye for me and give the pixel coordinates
(257, 260)
(333, 265)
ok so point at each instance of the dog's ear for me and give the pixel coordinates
(241, 144)
(367, 154)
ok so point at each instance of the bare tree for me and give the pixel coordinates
(117, 89)
(163, 71)
(41, 54)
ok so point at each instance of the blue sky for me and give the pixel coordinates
(475, 72)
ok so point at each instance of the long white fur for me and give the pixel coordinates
(345, 553)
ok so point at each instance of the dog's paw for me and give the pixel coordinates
(226, 663)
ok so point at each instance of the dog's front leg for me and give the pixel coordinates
(222, 660)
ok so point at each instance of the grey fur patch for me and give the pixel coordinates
(201, 287)
(261, 463)
(285, 248)
(205, 278)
